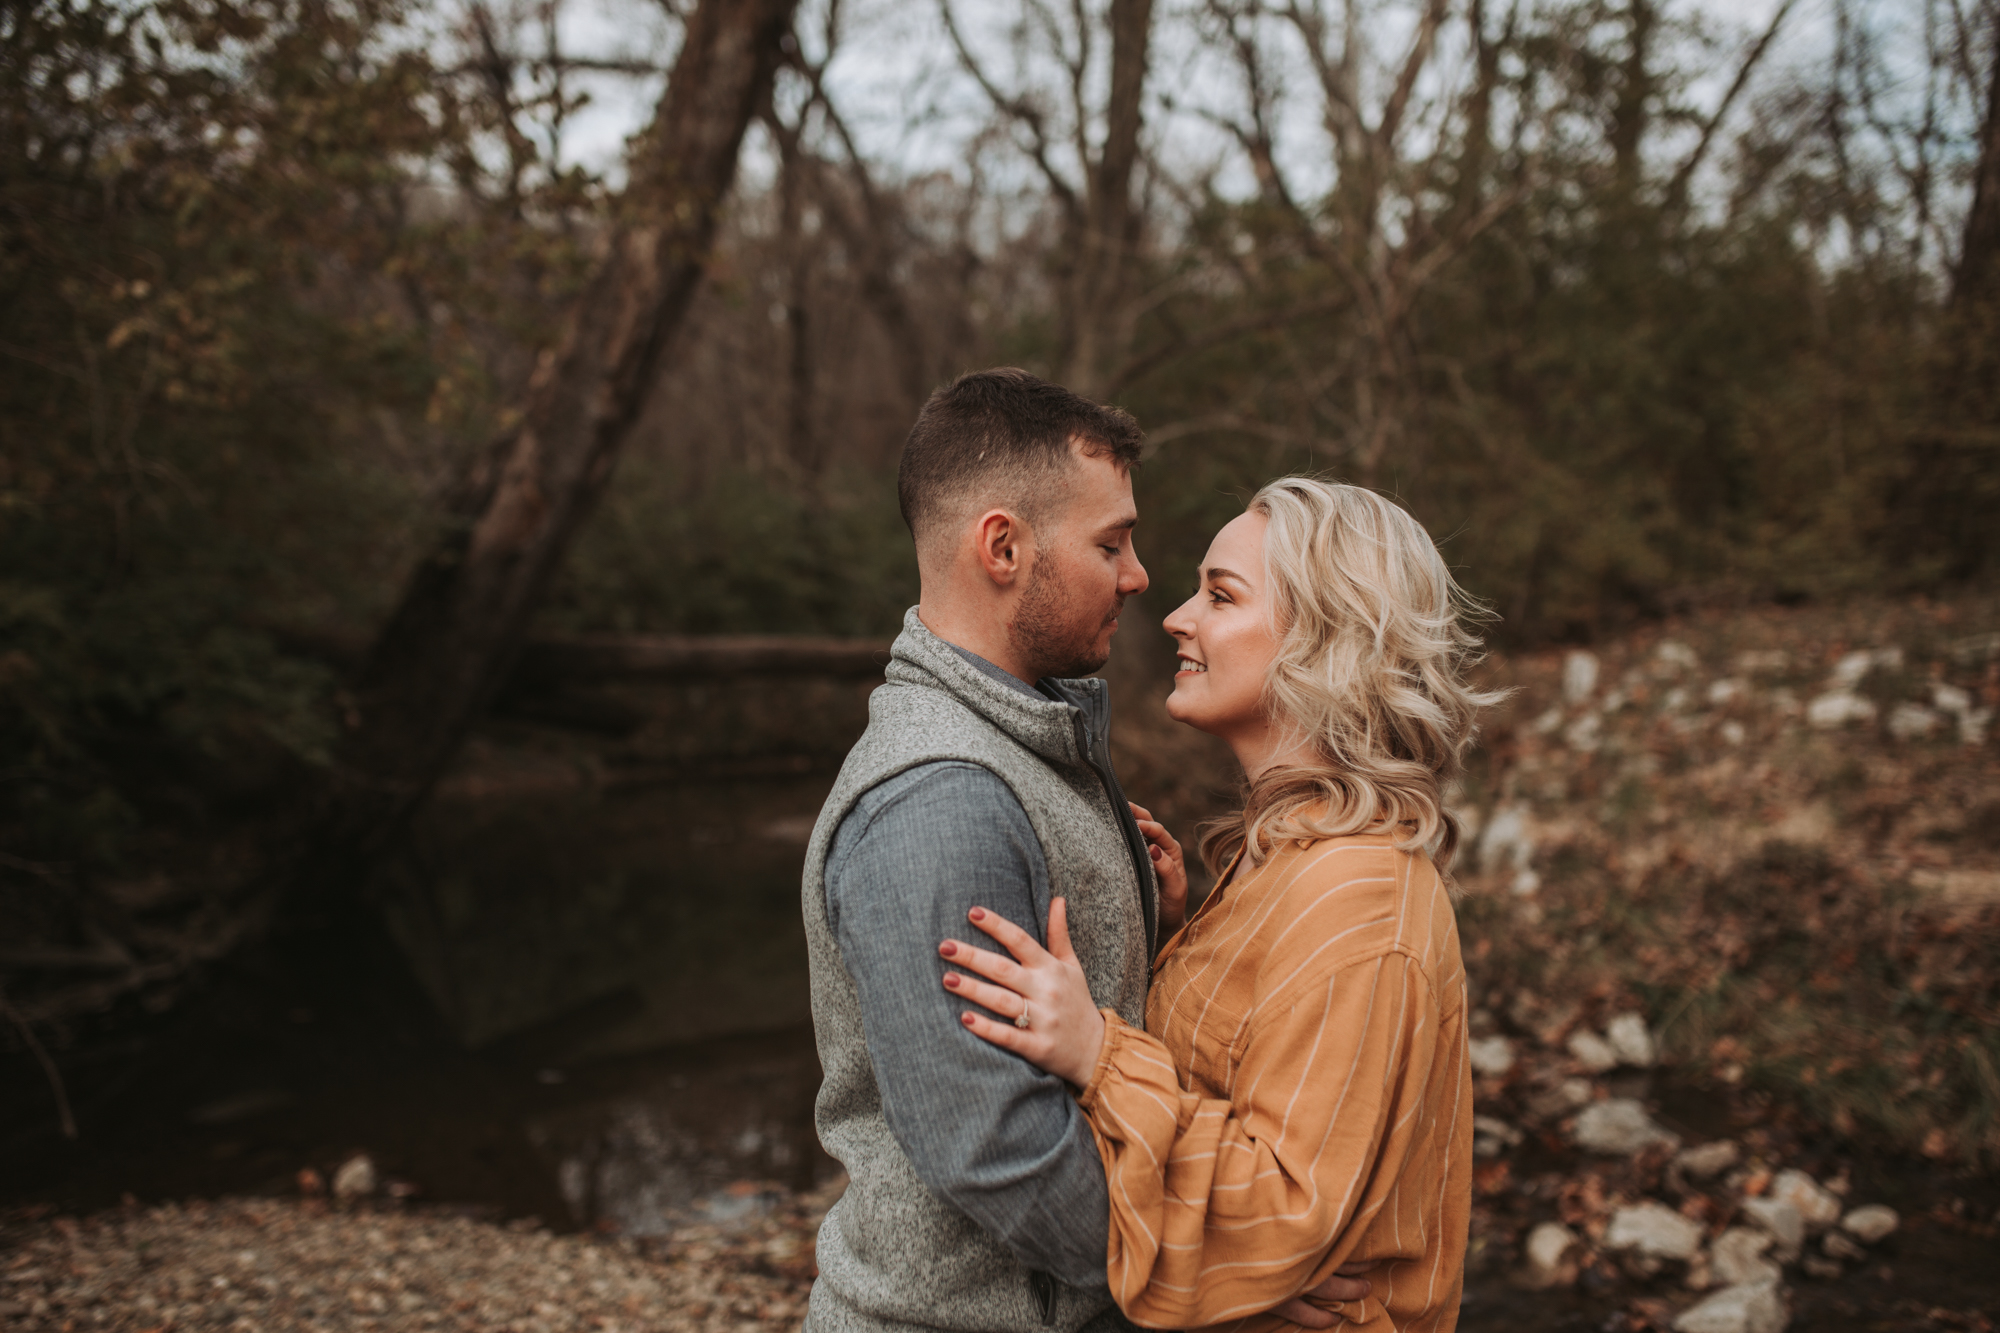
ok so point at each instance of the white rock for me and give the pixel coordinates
(1753, 662)
(1782, 1220)
(1872, 1223)
(1676, 655)
(1852, 669)
(1817, 1206)
(1738, 1257)
(1492, 1056)
(355, 1178)
(1585, 734)
(1655, 1231)
(1709, 1159)
(1733, 732)
(1567, 1096)
(1908, 722)
(1552, 1253)
(1972, 726)
(1618, 1127)
(1674, 700)
(1492, 1136)
(1505, 839)
(1950, 699)
(1837, 708)
(1629, 1038)
(1725, 691)
(1748, 1308)
(1547, 722)
(1840, 1245)
(1579, 677)
(1592, 1051)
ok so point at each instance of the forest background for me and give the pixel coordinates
(1640, 307)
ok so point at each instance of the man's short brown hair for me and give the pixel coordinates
(1001, 438)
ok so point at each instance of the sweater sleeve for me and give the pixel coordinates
(1221, 1209)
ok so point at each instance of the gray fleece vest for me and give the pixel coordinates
(892, 1255)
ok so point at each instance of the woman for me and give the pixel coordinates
(1301, 1099)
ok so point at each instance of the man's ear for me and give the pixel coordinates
(1003, 544)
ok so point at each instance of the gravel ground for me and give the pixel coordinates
(275, 1264)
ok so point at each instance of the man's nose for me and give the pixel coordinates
(1132, 579)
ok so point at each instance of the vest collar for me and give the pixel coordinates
(1046, 726)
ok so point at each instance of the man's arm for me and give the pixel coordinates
(990, 1133)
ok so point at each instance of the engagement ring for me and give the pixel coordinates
(1022, 1020)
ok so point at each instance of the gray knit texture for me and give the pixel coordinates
(894, 1257)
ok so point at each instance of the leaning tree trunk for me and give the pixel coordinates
(450, 643)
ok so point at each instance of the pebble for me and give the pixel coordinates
(1837, 708)
(1709, 1159)
(1654, 1230)
(1552, 1253)
(1738, 1257)
(1618, 1127)
(1747, 1308)
(1872, 1223)
(1817, 1206)
(1492, 1056)
(1839, 1245)
(1592, 1051)
(1560, 1100)
(356, 1178)
(1491, 1136)
(1631, 1041)
(1782, 1220)
(1579, 676)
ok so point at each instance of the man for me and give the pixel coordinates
(976, 1197)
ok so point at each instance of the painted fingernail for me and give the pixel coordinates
(965, 1019)
(951, 980)
(977, 914)
(948, 949)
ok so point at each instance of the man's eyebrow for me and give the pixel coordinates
(1123, 525)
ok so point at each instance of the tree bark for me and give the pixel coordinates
(449, 645)
(1099, 308)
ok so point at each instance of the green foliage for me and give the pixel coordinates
(243, 340)
(755, 556)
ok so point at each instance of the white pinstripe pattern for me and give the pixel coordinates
(1328, 1116)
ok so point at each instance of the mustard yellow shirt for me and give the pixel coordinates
(1301, 1098)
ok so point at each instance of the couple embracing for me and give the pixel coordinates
(1063, 1101)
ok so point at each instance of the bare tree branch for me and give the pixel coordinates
(1678, 185)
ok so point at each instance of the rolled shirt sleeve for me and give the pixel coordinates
(991, 1134)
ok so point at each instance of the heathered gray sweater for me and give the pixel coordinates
(893, 1254)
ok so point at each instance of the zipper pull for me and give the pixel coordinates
(1043, 1288)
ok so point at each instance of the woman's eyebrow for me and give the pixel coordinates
(1213, 573)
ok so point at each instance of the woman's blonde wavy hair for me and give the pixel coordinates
(1370, 668)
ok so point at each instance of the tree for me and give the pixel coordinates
(446, 651)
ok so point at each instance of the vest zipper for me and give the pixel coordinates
(1043, 1288)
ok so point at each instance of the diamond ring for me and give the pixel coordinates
(1021, 1020)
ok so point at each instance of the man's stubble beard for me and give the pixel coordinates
(1047, 630)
